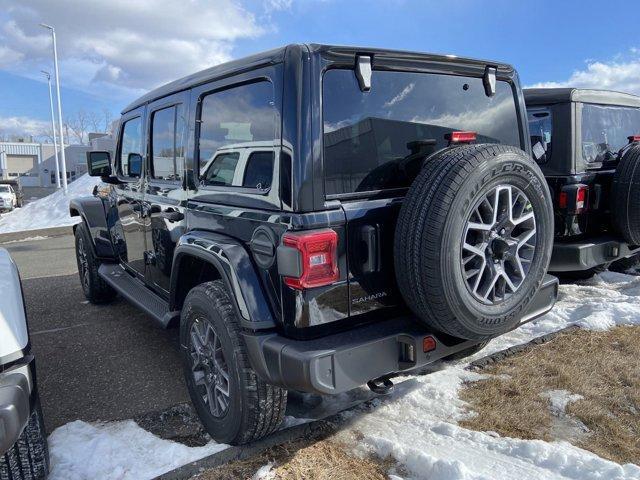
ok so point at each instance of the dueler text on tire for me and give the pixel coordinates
(474, 239)
(233, 403)
(625, 207)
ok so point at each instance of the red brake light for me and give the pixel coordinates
(428, 344)
(461, 137)
(318, 258)
(573, 198)
(581, 198)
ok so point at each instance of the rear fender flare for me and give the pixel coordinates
(236, 270)
(94, 215)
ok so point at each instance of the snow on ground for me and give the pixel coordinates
(27, 239)
(418, 426)
(50, 211)
(117, 450)
(560, 399)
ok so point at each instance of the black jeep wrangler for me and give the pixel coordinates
(587, 145)
(316, 218)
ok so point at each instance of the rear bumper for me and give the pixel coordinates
(16, 387)
(588, 253)
(346, 360)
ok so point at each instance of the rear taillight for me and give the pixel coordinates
(318, 258)
(461, 137)
(573, 198)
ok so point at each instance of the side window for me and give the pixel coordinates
(167, 147)
(540, 126)
(131, 142)
(221, 170)
(233, 120)
(259, 171)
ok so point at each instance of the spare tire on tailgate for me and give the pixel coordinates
(626, 196)
(474, 239)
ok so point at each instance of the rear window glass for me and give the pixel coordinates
(367, 135)
(540, 123)
(605, 130)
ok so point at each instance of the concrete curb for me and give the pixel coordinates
(313, 430)
(42, 232)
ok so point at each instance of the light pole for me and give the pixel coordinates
(55, 66)
(53, 128)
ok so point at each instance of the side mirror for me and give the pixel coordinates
(99, 164)
(134, 165)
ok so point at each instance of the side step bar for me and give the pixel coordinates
(137, 293)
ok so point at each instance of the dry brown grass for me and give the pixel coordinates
(603, 367)
(323, 460)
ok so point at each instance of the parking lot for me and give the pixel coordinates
(93, 362)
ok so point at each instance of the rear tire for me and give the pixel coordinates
(581, 274)
(94, 287)
(625, 264)
(626, 196)
(444, 211)
(216, 361)
(467, 352)
(28, 459)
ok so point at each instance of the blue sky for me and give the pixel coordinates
(111, 53)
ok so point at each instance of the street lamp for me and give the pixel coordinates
(53, 128)
(55, 66)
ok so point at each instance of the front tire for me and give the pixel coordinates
(94, 287)
(28, 459)
(233, 403)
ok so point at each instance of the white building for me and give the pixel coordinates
(34, 164)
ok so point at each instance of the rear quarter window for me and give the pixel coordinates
(368, 135)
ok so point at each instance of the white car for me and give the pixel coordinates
(8, 198)
(23, 443)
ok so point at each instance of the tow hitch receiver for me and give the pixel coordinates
(381, 386)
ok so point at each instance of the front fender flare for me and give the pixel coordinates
(233, 263)
(93, 213)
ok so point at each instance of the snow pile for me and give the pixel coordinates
(418, 424)
(50, 211)
(560, 399)
(118, 450)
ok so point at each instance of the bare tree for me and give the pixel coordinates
(79, 126)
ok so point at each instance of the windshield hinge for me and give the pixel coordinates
(363, 72)
(489, 80)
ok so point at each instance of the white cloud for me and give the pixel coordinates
(23, 126)
(116, 44)
(621, 74)
(401, 96)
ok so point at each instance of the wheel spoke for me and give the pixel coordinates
(499, 240)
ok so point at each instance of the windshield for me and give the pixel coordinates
(605, 130)
(372, 139)
(5, 189)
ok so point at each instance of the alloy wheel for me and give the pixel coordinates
(209, 367)
(498, 244)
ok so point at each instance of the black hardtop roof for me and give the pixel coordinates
(277, 55)
(547, 96)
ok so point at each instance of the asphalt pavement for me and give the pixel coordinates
(94, 362)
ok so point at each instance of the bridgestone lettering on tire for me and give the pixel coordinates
(233, 403)
(626, 196)
(463, 268)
